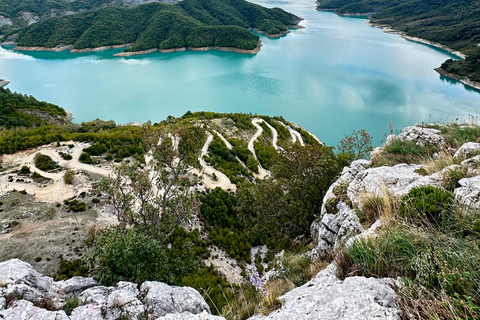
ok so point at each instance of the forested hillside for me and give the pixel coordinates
(191, 23)
(454, 23)
(17, 110)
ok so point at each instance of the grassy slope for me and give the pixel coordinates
(192, 23)
(453, 23)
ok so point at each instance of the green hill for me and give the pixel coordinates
(190, 23)
(453, 23)
(17, 110)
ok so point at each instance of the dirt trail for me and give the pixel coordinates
(294, 134)
(57, 190)
(262, 173)
(222, 180)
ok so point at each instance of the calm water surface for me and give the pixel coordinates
(332, 77)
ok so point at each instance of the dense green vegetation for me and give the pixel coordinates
(224, 160)
(453, 23)
(190, 23)
(17, 110)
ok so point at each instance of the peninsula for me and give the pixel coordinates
(193, 24)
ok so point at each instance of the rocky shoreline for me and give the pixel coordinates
(135, 53)
(388, 29)
(465, 81)
(3, 83)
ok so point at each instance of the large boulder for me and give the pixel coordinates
(23, 310)
(123, 301)
(162, 299)
(89, 311)
(468, 150)
(469, 191)
(22, 280)
(328, 298)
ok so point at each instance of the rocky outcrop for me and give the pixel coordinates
(468, 150)
(420, 135)
(26, 294)
(327, 297)
(334, 229)
(397, 180)
(469, 191)
(4, 21)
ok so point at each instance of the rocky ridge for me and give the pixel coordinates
(26, 294)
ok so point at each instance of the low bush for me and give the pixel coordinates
(426, 205)
(44, 162)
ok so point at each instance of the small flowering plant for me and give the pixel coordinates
(257, 282)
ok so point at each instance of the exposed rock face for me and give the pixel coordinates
(469, 191)
(4, 21)
(23, 309)
(161, 299)
(328, 298)
(468, 149)
(335, 229)
(25, 288)
(397, 180)
(420, 135)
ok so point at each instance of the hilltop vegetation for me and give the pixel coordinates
(453, 23)
(17, 110)
(190, 23)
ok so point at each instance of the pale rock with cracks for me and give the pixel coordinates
(420, 135)
(397, 180)
(327, 297)
(161, 299)
(23, 310)
(18, 279)
(469, 191)
(468, 149)
(334, 229)
(190, 316)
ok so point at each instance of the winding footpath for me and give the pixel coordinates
(294, 134)
(262, 172)
(207, 171)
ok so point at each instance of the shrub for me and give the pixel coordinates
(71, 268)
(137, 256)
(398, 151)
(69, 176)
(75, 205)
(25, 170)
(44, 162)
(426, 204)
(85, 158)
(70, 305)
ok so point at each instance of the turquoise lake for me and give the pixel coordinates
(332, 77)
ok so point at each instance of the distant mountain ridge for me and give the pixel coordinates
(190, 23)
(454, 23)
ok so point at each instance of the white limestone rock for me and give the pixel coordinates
(25, 310)
(74, 285)
(334, 229)
(123, 301)
(328, 298)
(468, 149)
(469, 191)
(4, 21)
(420, 135)
(397, 180)
(190, 316)
(97, 295)
(89, 311)
(22, 279)
(162, 299)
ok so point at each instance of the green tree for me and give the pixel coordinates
(157, 196)
(357, 145)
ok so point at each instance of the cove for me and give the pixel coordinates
(332, 77)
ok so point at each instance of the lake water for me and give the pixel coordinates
(332, 77)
